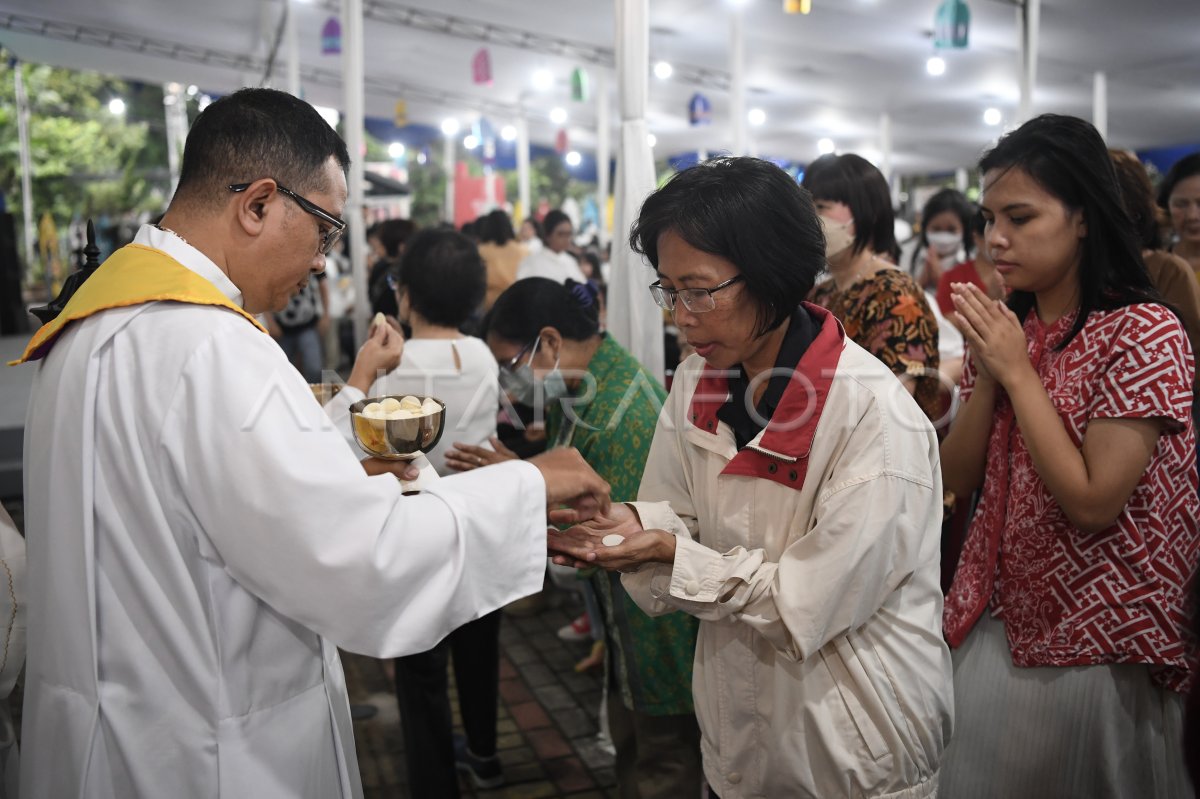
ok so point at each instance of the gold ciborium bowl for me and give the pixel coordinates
(397, 439)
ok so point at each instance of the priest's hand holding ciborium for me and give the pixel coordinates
(400, 429)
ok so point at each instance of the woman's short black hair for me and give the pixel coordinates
(393, 233)
(1067, 157)
(443, 276)
(551, 220)
(525, 307)
(951, 200)
(749, 212)
(1184, 168)
(495, 228)
(853, 180)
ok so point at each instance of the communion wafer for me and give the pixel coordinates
(612, 540)
(379, 319)
(411, 403)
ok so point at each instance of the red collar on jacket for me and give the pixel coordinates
(782, 452)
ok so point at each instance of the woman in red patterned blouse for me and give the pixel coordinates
(1067, 611)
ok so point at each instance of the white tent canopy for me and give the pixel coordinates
(830, 74)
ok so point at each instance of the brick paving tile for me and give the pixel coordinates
(574, 722)
(546, 732)
(515, 757)
(530, 716)
(510, 741)
(514, 692)
(554, 697)
(548, 743)
(536, 675)
(569, 774)
(527, 790)
(524, 772)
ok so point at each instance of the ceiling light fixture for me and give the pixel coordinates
(508, 133)
(573, 158)
(992, 116)
(757, 116)
(450, 126)
(558, 116)
(935, 66)
(396, 150)
(825, 146)
(663, 70)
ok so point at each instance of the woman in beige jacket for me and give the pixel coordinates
(791, 501)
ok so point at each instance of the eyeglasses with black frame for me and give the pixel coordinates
(328, 237)
(695, 300)
(512, 362)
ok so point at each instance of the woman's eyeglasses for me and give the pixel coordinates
(695, 300)
(511, 363)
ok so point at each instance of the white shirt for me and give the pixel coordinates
(201, 540)
(553, 265)
(460, 372)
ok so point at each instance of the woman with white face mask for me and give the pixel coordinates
(597, 398)
(882, 308)
(945, 238)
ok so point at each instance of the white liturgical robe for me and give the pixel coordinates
(201, 539)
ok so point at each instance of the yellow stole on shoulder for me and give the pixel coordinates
(133, 275)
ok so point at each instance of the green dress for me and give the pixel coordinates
(611, 423)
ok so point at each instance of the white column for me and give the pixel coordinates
(175, 111)
(448, 151)
(885, 158)
(961, 179)
(603, 154)
(1029, 14)
(293, 48)
(633, 318)
(523, 167)
(27, 177)
(885, 146)
(1100, 103)
(737, 83)
(489, 188)
(352, 89)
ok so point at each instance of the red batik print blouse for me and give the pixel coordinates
(1070, 598)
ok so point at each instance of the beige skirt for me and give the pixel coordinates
(1059, 732)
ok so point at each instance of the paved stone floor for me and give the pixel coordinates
(547, 724)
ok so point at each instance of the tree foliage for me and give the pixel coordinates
(85, 159)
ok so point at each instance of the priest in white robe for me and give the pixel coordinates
(200, 538)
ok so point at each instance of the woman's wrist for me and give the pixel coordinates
(665, 549)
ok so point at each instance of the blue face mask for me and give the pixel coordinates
(522, 385)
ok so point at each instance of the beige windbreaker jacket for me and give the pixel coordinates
(812, 559)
